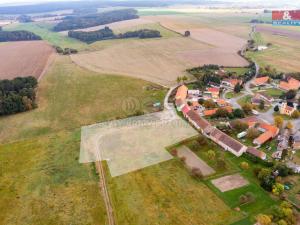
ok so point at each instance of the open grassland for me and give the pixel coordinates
(24, 58)
(54, 38)
(69, 97)
(166, 194)
(41, 182)
(282, 55)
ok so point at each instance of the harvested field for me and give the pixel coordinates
(24, 58)
(152, 60)
(294, 34)
(230, 182)
(160, 60)
(116, 25)
(193, 161)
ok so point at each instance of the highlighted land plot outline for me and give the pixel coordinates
(133, 143)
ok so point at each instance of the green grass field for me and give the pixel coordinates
(232, 94)
(69, 97)
(262, 202)
(246, 99)
(273, 92)
(167, 194)
(282, 55)
(54, 38)
(239, 71)
(231, 198)
(43, 183)
(41, 180)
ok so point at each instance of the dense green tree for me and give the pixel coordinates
(91, 20)
(17, 95)
(20, 35)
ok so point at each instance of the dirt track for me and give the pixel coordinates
(24, 58)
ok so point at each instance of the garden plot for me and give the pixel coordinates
(230, 182)
(194, 162)
(133, 143)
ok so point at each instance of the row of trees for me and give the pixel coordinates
(17, 95)
(79, 22)
(20, 35)
(65, 51)
(107, 33)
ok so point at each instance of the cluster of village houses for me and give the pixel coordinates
(187, 102)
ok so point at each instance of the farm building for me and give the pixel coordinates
(268, 131)
(258, 97)
(286, 110)
(231, 83)
(290, 84)
(181, 92)
(227, 142)
(257, 153)
(260, 81)
(213, 92)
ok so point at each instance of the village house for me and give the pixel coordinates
(290, 84)
(227, 142)
(257, 153)
(222, 139)
(210, 112)
(258, 97)
(231, 83)
(260, 81)
(222, 102)
(268, 131)
(212, 92)
(285, 109)
(181, 93)
(194, 92)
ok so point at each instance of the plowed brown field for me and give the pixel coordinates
(24, 58)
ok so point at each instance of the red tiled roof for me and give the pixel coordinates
(291, 84)
(185, 109)
(263, 138)
(209, 112)
(202, 123)
(213, 89)
(227, 140)
(273, 129)
(256, 152)
(181, 92)
(261, 80)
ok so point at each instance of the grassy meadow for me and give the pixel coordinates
(167, 194)
(44, 30)
(41, 180)
(282, 54)
(43, 183)
(69, 97)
